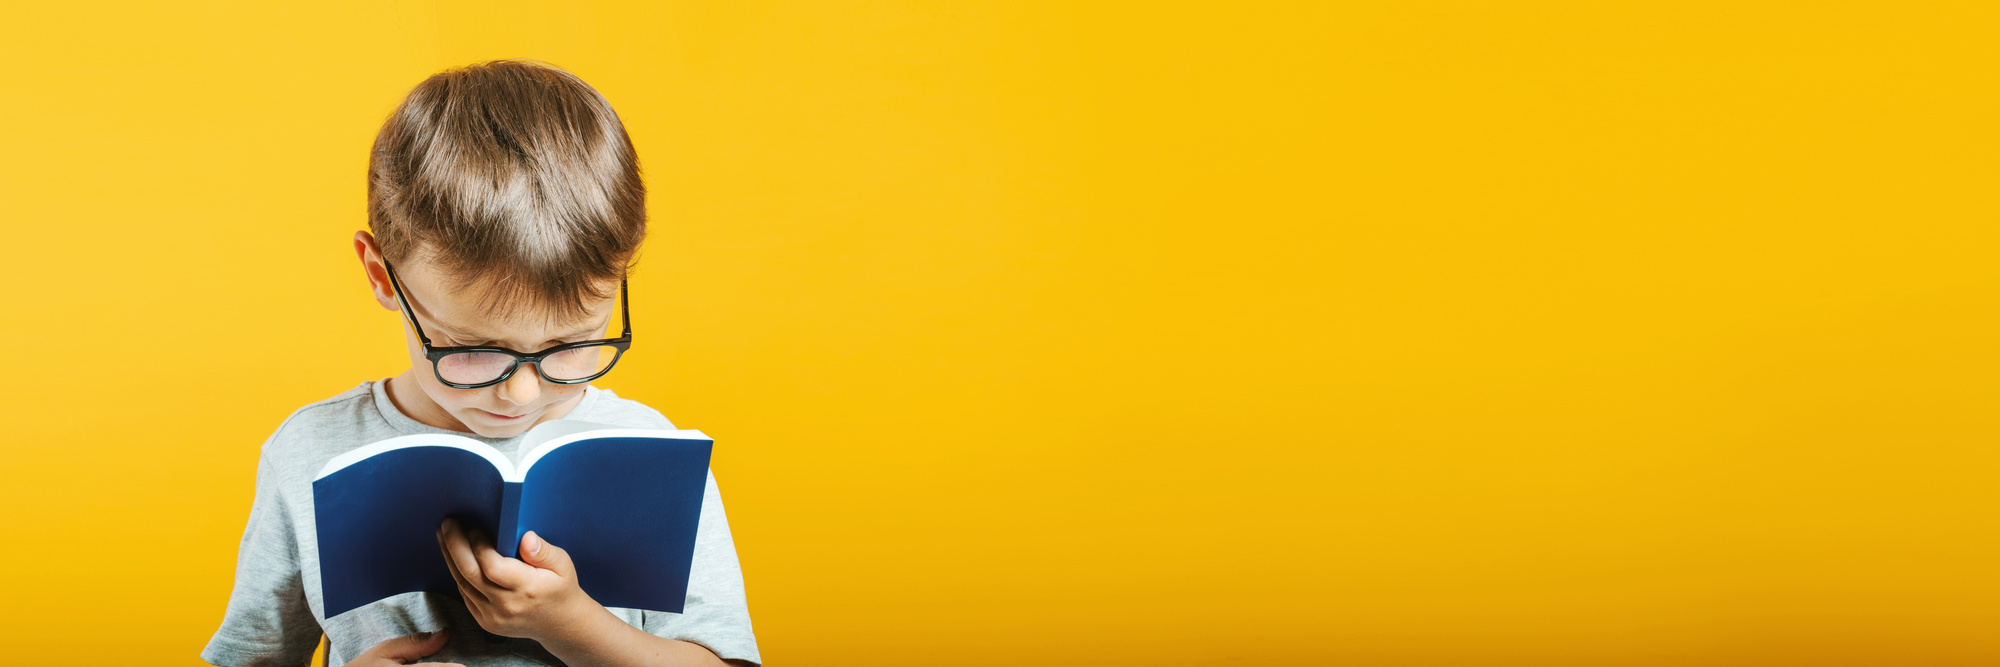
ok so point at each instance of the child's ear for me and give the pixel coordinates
(378, 274)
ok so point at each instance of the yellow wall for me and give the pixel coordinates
(1035, 333)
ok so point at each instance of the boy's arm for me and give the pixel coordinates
(604, 639)
(537, 597)
(267, 621)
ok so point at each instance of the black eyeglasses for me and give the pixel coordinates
(475, 366)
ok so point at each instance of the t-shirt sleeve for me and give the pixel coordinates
(267, 621)
(716, 614)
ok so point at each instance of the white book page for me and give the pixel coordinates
(359, 454)
(578, 431)
(542, 439)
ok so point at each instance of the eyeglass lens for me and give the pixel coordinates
(572, 364)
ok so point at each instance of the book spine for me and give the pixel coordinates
(508, 540)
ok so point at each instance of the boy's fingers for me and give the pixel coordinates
(413, 646)
(501, 571)
(465, 589)
(474, 597)
(539, 553)
(460, 552)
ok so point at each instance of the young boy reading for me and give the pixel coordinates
(506, 207)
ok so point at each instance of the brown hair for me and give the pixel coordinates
(514, 175)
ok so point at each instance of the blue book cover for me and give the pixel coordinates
(624, 503)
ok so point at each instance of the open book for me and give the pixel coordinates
(623, 502)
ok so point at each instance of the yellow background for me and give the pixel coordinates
(1412, 333)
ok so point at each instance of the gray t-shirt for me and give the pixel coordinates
(275, 615)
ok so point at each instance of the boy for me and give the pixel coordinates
(505, 205)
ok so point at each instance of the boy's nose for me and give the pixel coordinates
(523, 386)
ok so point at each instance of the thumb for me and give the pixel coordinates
(539, 553)
(412, 646)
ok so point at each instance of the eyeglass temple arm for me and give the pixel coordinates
(624, 306)
(405, 303)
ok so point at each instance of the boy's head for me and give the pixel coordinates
(507, 198)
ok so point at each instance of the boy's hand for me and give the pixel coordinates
(536, 596)
(399, 650)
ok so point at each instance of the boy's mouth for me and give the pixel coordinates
(505, 418)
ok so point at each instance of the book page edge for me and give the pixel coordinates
(527, 462)
(362, 453)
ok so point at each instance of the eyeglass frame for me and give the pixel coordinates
(621, 343)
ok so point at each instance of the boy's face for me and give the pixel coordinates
(451, 318)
